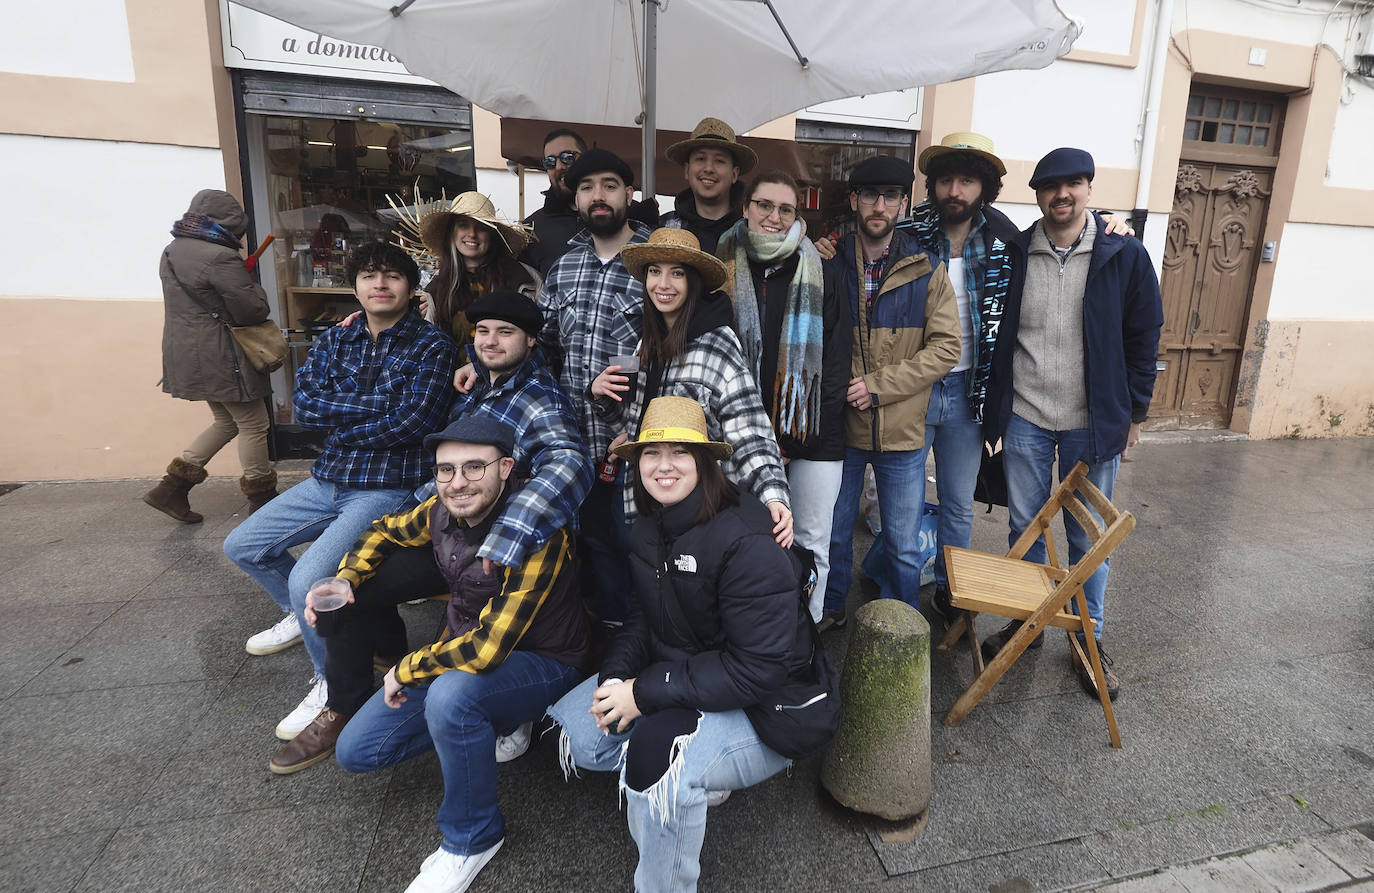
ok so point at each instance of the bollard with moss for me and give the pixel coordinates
(879, 763)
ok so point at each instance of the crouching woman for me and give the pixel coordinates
(716, 681)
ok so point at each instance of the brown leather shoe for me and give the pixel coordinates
(314, 744)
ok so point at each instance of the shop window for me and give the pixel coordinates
(831, 151)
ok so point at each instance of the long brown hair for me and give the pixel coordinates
(661, 342)
(453, 288)
(717, 492)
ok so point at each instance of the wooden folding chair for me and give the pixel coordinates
(1036, 594)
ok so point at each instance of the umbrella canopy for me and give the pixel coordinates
(743, 61)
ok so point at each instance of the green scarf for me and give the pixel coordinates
(797, 384)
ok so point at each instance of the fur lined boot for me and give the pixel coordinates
(170, 495)
(259, 490)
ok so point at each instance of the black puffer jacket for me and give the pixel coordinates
(738, 591)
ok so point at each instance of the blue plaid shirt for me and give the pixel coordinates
(548, 451)
(593, 310)
(380, 398)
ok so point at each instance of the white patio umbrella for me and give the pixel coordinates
(671, 63)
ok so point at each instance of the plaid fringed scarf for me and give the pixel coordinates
(796, 387)
(990, 292)
(198, 226)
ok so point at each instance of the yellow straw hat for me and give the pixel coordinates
(673, 420)
(713, 133)
(673, 246)
(973, 143)
(474, 206)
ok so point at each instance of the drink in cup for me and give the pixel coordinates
(629, 367)
(330, 594)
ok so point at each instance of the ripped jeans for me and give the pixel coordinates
(668, 820)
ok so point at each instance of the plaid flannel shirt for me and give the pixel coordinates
(713, 373)
(500, 624)
(380, 398)
(592, 312)
(873, 275)
(548, 451)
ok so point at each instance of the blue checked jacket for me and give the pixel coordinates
(592, 312)
(548, 452)
(380, 398)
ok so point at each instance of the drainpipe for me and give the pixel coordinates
(1149, 127)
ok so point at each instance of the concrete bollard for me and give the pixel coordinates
(879, 763)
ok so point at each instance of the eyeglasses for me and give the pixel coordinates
(785, 212)
(472, 471)
(871, 196)
(568, 157)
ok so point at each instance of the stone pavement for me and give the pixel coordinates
(135, 731)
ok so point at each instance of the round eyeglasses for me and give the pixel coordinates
(785, 212)
(472, 471)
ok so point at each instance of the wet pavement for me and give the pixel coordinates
(135, 731)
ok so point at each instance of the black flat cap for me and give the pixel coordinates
(594, 161)
(476, 429)
(507, 306)
(882, 170)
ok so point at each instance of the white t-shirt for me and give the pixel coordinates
(956, 279)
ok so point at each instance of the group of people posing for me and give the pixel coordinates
(597, 437)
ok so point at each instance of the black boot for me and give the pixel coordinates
(170, 495)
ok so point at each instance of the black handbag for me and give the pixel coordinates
(802, 716)
(992, 480)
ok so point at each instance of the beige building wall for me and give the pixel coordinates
(106, 164)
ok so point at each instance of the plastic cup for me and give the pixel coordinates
(628, 365)
(330, 594)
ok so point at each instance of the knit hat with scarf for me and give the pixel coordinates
(797, 385)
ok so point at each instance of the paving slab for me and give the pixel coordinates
(33, 636)
(1296, 867)
(50, 863)
(1350, 849)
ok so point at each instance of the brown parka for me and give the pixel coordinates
(200, 359)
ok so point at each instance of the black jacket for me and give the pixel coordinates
(738, 591)
(827, 444)
(708, 232)
(557, 222)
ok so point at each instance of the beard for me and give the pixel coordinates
(606, 225)
(878, 226)
(957, 212)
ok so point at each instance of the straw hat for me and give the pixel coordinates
(713, 133)
(673, 246)
(474, 206)
(973, 143)
(673, 420)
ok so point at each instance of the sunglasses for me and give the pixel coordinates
(568, 157)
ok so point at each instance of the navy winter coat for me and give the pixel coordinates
(1122, 316)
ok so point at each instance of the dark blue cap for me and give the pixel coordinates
(507, 306)
(594, 161)
(476, 429)
(1063, 164)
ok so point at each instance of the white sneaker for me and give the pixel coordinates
(445, 872)
(280, 636)
(509, 747)
(305, 711)
(716, 798)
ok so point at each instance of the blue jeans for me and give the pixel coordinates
(958, 444)
(330, 517)
(901, 478)
(458, 715)
(1029, 456)
(668, 821)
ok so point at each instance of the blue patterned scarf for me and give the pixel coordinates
(988, 292)
(198, 226)
(796, 386)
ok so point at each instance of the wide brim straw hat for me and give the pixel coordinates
(473, 205)
(673, 420)
(674, 246)
(972, 143)
(713, 133)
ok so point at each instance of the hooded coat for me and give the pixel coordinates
(200, 359)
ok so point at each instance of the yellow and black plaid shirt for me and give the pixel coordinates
(501, 623)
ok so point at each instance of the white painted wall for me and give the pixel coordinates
(1352, 139)
(1028, 113)
(67, 38)
(94, 215)
(1312, 282)
(1107, 24)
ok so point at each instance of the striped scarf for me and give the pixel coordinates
(199, 226)
(987, 293)
(796, 385)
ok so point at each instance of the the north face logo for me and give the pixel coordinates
(686, 564)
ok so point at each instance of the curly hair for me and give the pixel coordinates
(956, 163)
(381, 257)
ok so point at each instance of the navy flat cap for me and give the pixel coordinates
(1062, 164)
(476, 429)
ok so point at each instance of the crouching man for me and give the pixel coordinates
(517, 637)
